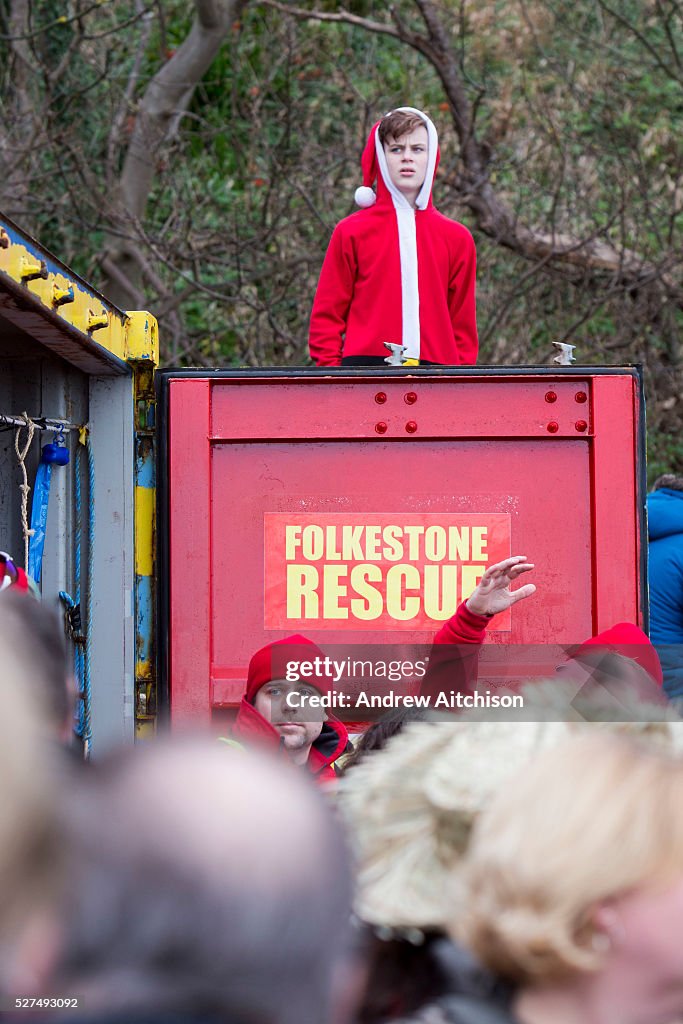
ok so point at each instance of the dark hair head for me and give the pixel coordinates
(397, 124)
(379, 733)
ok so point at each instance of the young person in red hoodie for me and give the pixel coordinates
(397, 272)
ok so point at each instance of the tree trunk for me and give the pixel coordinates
(164, 101)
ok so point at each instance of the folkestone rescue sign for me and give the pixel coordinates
(375, 571)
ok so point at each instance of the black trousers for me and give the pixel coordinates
(377, 361)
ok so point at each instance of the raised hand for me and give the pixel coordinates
(493, 593)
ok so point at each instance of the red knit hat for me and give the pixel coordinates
(629, 640)
(272, 660)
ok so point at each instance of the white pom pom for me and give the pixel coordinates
(365, 197)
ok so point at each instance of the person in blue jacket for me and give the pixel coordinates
(665, 532)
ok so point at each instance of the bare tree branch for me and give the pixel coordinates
(19, 31)
(493, 216)
(18, 126)
(167, 95)
(666, 21)
(644, 41)
(111, 269)
(114, 141)
(168, 92)
(344, 17)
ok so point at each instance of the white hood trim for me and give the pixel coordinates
(407, 240)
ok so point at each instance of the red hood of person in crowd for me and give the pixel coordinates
(629, 640)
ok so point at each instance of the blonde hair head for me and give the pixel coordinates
(410, 806)
(581, 823)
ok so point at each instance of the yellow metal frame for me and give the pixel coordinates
(48, 284)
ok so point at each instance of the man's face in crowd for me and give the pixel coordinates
(407, 161)
(297, 735)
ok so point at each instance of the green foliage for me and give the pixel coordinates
(580, 104)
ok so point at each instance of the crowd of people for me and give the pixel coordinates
(467, 869)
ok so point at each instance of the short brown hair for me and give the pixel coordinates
(397, 124)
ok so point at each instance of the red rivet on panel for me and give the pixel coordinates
(550, 396)
(581, 425)
(411, 426)
(553, 427)
(410, 398)
(381, 428)
(580, 396)
(381, 397)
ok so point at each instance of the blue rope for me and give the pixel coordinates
(77, 574)
(68, 600)
(79, 526)
(81, 656)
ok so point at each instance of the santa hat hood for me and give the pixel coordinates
(271, 661)
(374, 167)
(629, 640)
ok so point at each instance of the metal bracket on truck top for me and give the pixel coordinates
(396, 357)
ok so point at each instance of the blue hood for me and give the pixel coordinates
(664, 513)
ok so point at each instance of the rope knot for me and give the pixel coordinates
(21, 453)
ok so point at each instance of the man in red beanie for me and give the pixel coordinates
(398, 280)
(266, 716)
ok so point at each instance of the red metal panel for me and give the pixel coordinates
(474, 407)
(616, 541)
(536, 490)
(252, 455)
(189, 550)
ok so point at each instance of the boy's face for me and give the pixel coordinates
(407, 161)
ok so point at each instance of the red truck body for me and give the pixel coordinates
(362, 506)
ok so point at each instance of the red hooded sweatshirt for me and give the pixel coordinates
(269, 663)
(398, 274)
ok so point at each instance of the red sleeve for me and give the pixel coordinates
(462, 299)
(463, 628)
(332, 301)
(453, 660)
